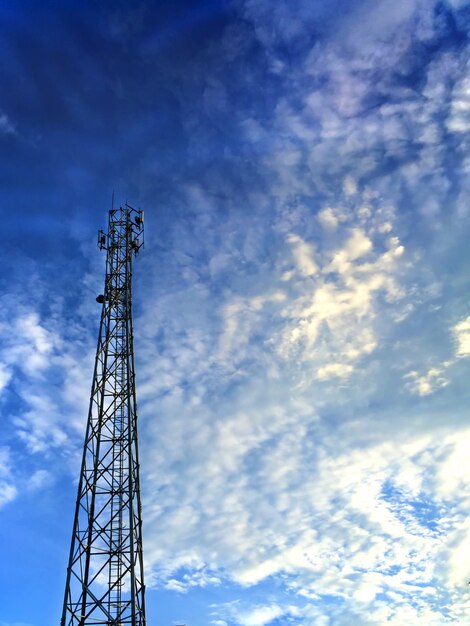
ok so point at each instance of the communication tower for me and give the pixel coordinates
(105, 574)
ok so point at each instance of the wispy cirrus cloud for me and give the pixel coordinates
(272, 437)
(437, 376)
(331, 320)
(257, 615)
(8, 489)
(301, 324)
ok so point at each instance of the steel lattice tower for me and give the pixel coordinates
(105, 577)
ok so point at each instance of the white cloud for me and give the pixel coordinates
(8, 490)
(328, 219)
(428, 383)
(257, 615)
(44, 360)
(459, 118)
(349, 184)
(40, 479)
(304, 255)
(342, 523)
(356, 246)
(330, 322)
(241, 317)
(5, 376)
(462, 335)
(6, 126)
(27, 344)
(261, 615)
(458, 549)
(438, 376)
(340, 370)
(251, 470)
(452, 472)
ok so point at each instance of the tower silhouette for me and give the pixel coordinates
(105, 576)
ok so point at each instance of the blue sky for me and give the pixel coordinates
(302, 305)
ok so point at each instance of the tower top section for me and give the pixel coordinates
(122, 242)
(125, 231)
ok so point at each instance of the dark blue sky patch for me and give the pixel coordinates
(418, 509)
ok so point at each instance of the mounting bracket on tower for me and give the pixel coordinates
(134, 229)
